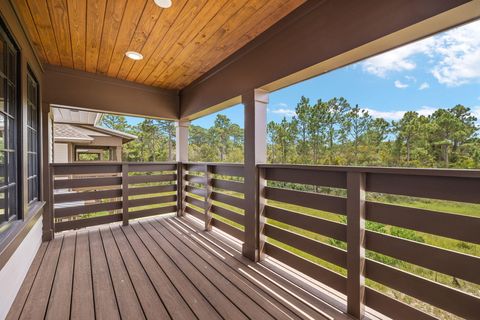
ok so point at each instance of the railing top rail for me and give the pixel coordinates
(459, 173)
(217, 164)
(108, 163)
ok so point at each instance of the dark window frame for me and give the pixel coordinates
(12, 142)
(33, 139)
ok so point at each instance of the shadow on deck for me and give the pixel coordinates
(163, 268)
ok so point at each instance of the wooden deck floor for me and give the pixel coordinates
(160, 269)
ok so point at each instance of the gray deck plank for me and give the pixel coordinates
(176, 305)
(151, 303)
(61, 296)
(37, 302)
(127, 300)
(83, 306)
(24, 291)
(104, 295)
(221, 303)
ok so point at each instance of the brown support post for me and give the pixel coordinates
(261, 208)
(208, 197)
(47, 172)
(255, 103)
(356, 183)
(125, 194)
(180, 185)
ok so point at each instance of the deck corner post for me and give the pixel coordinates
(180, 186)
(356, 186)
(255, 104)
(208, 197)
(261, 212)
(125, 217)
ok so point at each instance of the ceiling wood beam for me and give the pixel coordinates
(83, 90)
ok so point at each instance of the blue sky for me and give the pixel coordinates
(437, 72)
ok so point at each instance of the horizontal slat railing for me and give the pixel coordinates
(214, 193)
(88, 194)
(316, 218)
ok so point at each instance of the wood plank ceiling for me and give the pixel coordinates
(179, 44)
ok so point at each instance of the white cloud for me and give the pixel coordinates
(476, 112)
(398, 59)
(459, 51)
(388, 115)
(400, 85)
(426, 110)
(411, 78)
(285, 112)
(454, 56)
(398, 114)
(424, 86)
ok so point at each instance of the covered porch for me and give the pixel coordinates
(185, 240)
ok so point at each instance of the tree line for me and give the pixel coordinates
(329, 132)
(336, 133)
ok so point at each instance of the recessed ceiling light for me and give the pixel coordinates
(134, 55)
(163, 3)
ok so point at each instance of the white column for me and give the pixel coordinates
(255, 149)
(182, 140)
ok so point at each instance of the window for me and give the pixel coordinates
(8, 129)
(32, 136)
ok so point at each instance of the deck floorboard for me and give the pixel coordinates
(160, 268)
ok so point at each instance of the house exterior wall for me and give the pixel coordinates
(14, 271)
(22, 238)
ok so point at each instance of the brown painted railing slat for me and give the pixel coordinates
(196, 191)
(228, 185)
(151, 200)
(151, 212)
(235, 170)
(456, 264)
(441, 296)
(195, 167)
(151, 189)
(392, 307)
(307, 199)
(70, 169)
(448, 225)
(315, 248)
(330, 278)
(89, 222)
(433, 187)
(195, 201)
(318, 178)
(321, 226)
(151, 167)
(234, 232)
(89, 208)
(195, 179)
(194, 212)
(90, 195)
(227, 214)
(151, 178)
(86, 182)
(227, 199)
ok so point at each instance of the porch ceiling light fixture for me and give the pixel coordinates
(134, 55)
(163, 3)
